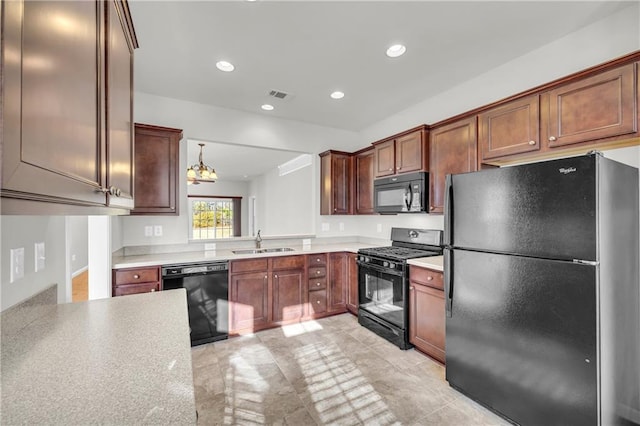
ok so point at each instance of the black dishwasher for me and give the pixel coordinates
(207, 286)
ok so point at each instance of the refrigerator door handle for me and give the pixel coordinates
(448, 282)
(448, 212)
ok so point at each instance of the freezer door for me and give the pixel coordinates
(521, 338)
(544, 210)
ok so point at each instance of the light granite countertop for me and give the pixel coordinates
(227, 254)
(122, 360)
(435, 262)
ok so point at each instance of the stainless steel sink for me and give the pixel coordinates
(264, 250)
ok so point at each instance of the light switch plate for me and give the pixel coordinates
(210, 246)
(341, 226)
(379, 227)
(148, 231)
(17, 264)
(157, 230)
(39, 256)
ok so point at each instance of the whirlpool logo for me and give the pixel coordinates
(567, 171)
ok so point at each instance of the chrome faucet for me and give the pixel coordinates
(258, 240)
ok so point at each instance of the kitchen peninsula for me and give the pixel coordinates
(124, 360)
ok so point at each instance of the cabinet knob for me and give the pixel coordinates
(275, 276)
(552, 138)
(318, 302)
(265, 277)
(390, 169)
(318, 260)
(410, 288)
(136, 276)
(429, 278)
(317, 272)
(431, 207)
(532, 142)
(318, 284)
(399, 167)
(152, 290)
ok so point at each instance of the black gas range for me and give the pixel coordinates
(383, 281)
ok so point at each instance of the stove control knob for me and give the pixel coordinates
(367, 259)
(392, 266)
(385, 264)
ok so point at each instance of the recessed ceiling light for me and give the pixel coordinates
(267, 107)
(337, 95)
(396, 50)
(225, 66)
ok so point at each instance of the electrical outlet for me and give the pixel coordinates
(341, 226)
(17, 264)
(306, 242)
(325, 226)
(73, 257)
(148, 231)
(379, 227)
(210, 246)
(39, 256)
(157, 230)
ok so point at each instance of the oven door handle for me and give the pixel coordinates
(379, 269)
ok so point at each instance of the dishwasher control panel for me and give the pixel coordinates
(169, 270)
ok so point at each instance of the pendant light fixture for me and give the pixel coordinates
(201, 172)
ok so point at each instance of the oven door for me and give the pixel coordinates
(382, 292)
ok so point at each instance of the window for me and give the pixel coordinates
(214, 217)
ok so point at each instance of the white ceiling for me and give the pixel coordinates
(311, 48)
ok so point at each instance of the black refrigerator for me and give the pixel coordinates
(542, 291)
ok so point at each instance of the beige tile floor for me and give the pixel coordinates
(330, 371)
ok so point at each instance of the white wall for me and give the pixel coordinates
(285, 204)
(211, 123)
(25, 231)
(77, 230)
(222, 188)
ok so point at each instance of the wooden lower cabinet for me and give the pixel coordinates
(338, 275)
(288, 295)
(266, 292)
(135, 280)
(352, 290)
(427, 312)
(248, 301)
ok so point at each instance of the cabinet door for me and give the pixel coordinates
(409, 152)
(598, 107)
(509, 129)
(363, 176)
(453, 150)
(427, 320)
(156, 165)
(288, 295)
(51, 101)
(385, 158)
(338, 274)
(335, 183)
(119, 101)
(352, 293)
(248, 300)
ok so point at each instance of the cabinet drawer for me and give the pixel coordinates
(317, 283)
(136, 275)
(317, 260)
(250, 265)
(317, 272)
(123, 290)
(288, 262)
(427, 277)
(317, 301)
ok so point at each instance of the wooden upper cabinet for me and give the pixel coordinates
(509, 129)
(403, 153)
(596, 107)
(119, 111)
(363, 177)
(410, 152)
(66, 103)
(156, 165)
(385, 158)
(453, 149)
(335, 183)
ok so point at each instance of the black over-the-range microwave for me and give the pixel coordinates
(406, 193)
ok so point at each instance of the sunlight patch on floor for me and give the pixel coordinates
(300, 328)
